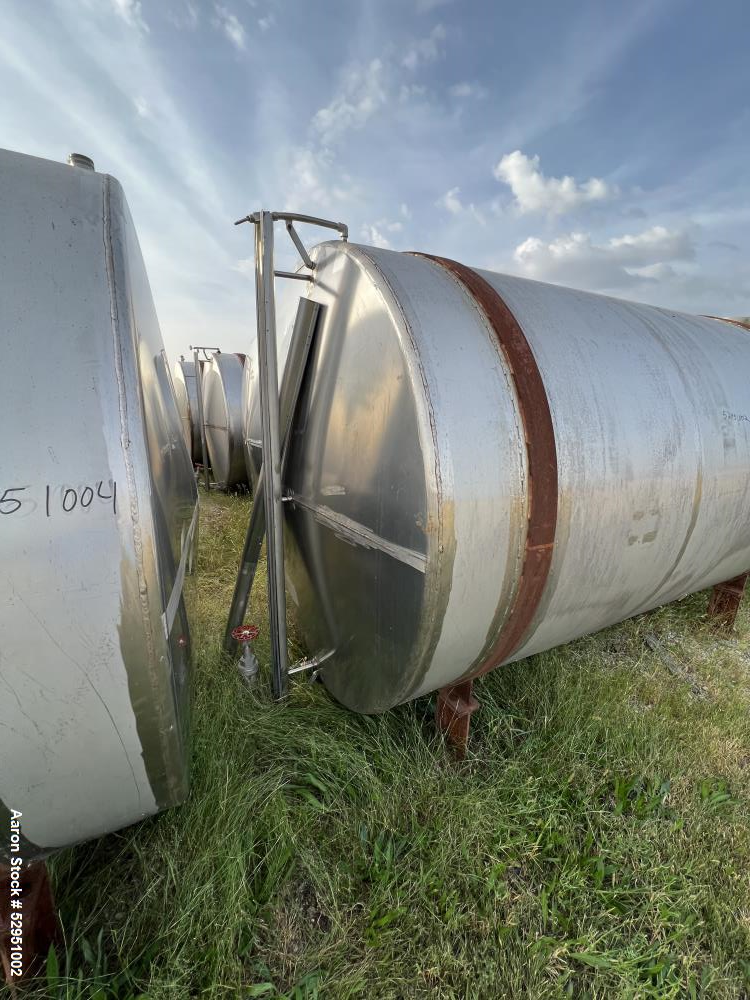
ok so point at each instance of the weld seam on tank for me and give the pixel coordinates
(542, 461)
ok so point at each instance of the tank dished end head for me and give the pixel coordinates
(81, 160)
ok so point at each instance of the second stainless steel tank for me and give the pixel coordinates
(222, 412)
(483, 467)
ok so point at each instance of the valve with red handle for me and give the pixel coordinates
(248, 665)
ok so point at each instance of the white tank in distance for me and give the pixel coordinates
(222, 419)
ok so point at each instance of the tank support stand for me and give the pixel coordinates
(41, 927)
(273, 432)
(455, 706)
(725, 602)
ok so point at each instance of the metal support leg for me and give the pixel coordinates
(199, 395)
(291, 385)
(725, 602)
(41, 927)
(271, 448)
(269, 484)
(455, 706)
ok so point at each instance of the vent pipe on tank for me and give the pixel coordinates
(81, 160)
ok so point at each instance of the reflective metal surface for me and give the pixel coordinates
(98, 512)
(408, 471)
(186, 397)
(222, 407)
(251, 432)
(287, 299)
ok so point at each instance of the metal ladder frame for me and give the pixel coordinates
(277, 412)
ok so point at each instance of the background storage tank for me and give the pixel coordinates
(251, 427)
(222, 412)
(484, 467)
(186, 397)
(97, 518)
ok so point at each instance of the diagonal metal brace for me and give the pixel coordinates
(300, 347)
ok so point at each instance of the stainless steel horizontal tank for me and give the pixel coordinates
(186, 397)
(222, 412)
(98, 513)
(483, 467)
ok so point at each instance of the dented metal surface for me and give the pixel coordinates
(222, 409)
(412, 436)
(98, 501)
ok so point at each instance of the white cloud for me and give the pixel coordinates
(465, 89)
(371, 234)
(374, 233)
(187, 19)
(620, 262)
(533, 192)
(142, 107)
(425, 50)
(131, 13)
(656, 243)
(230, 24)
(409, 90)
(264, 23)
(451, 202)
(405, 210)
(362, 94)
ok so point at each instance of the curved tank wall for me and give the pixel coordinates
(186, 397)
(484, 467)
(98, 517)
(222, 412)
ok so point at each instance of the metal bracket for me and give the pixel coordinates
(455, 707)
(206, 352)
(725, 602)
(276, 418)
(313, 663)
(289, 219)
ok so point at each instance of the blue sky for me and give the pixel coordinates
(601, 145)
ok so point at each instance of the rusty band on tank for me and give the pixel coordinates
(725, 319)
(542, 462)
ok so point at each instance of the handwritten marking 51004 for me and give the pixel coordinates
(58, 499)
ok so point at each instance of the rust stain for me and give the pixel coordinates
(542, 461)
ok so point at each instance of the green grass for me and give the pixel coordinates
(595, 843)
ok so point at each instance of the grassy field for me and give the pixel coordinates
(595, 843)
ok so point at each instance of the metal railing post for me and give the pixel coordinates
(271, 448)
